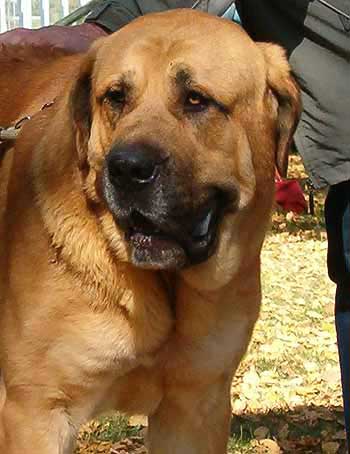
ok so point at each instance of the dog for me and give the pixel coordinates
(133, 212)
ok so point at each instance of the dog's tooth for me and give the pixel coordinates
(202, 227)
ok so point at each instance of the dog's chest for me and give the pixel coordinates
(119, 339)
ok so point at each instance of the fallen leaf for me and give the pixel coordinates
(330, 447)
(261, 432)
(268, 447)
(138, 420)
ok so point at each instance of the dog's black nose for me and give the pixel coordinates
(134, 165)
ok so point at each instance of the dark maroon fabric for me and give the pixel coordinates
(290, 197)
(71, 39)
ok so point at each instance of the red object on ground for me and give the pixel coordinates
(289, 195)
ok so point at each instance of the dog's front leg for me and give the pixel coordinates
(192, 421)
(35, 429)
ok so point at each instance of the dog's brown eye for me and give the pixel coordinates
(195, 102)
(115, 97)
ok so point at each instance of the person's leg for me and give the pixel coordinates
(337, 215)
(342, 323)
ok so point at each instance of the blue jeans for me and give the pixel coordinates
(337, 215)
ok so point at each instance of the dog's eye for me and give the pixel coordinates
(115, 97)
(195, 102)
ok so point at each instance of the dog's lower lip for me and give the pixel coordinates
(140, 239)
(156, 251)
(154, 240)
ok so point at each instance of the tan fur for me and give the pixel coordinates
(83, 329)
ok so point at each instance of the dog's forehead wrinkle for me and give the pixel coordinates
(182, 74)
(126, 78)
(119, 79)
(226, 74)
(226, 83)
(177, 39)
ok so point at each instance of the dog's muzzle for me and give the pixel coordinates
(160, 230)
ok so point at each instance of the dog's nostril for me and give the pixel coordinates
(115, 172)
(144, 174)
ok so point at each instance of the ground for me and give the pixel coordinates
(286, 396)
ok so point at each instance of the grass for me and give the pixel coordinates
(109, 429)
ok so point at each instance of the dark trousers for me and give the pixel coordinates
(337, 214)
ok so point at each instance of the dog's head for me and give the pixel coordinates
(180, 120)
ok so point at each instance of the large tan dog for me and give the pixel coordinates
(133, 215)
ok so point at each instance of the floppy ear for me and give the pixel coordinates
(287, 95)
(80, 105)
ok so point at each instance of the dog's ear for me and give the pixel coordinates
(287, 94)
(80, 104)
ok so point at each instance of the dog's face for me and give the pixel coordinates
(180, 119)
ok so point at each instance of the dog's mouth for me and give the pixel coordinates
(156, 247)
